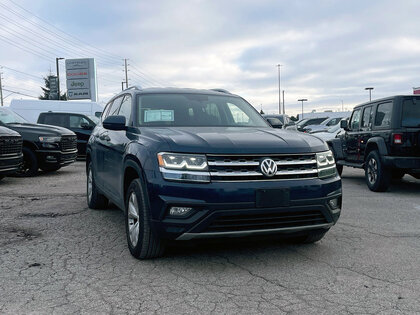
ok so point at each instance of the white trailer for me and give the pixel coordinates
(30, 109)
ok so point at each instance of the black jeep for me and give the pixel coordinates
(383, 137)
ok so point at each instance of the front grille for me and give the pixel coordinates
(244, 168)
(10, 145)
(262, 221)
(68, 143)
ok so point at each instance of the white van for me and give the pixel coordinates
(30, 109)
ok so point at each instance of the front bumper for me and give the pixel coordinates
(230, 209)
(402, 162)
(54, 157)
(10, 164)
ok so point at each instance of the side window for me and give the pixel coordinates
(333, 122)
(355, 120)
(125, 109)
(55, 120)
(76, 121)
(367, 118)
(383, 115)
(115, 106)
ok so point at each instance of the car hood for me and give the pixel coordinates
(42, 130)
(235, 140)
(7, 132)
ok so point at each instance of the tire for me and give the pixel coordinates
(50, 168)
(397, 174)
(141, 239)
(29, 166)
(95, 200)
(378, 178)
(340, 169)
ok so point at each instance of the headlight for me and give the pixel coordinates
(49, 139)
(184, 167)
(326, 164)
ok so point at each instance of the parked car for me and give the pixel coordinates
(81, 125)
(300, 125)
(383, 137)
(330, 134)
(10, 151)
(323, 126)
(30, 109)
(188, 164)
(45, 147)
(284, 119)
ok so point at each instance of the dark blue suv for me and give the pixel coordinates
(186, 164)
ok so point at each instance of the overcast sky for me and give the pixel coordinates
(330, 50)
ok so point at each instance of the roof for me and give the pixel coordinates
(172, 90)
(384, 99)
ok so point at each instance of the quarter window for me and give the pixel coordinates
(383, 115)
(355, 120)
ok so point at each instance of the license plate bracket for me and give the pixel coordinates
(269, 198)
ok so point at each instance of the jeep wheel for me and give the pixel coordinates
(29, 165)
(378, 178)
(340, 169)
(142, 241)
(95, 200)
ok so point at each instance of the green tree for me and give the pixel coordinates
(46, 90)
(262, 112)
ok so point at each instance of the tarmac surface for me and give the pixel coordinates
(58, 256)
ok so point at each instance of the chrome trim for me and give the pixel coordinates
(189, 236)
(252, 173)
(295, 162)
(164, 170)
(14, 168)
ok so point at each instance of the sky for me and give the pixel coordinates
(329, 50)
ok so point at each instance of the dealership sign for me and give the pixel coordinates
(416, 90)
(81, 79)
(52, 79)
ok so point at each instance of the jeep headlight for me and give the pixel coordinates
(183, 167)
(326, 164)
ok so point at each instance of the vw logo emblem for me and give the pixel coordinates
(268, 167)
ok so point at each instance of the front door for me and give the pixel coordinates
(352, 137)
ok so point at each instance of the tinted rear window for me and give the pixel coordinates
(411, 112)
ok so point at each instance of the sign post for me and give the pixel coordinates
(81, 79)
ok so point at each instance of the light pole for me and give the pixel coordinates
(302, 100)
(58, 76)
(278, 66)
(370, 92)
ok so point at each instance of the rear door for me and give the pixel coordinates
(382, 121)
(410, 127)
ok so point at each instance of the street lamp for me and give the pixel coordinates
(278, 66)
(58, 76)
(370, 92)
(302, 100)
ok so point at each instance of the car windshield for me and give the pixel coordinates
(9, 117)
(94, 119)
(302, 122)
(196, 110)
(411, 112)
(333, 128)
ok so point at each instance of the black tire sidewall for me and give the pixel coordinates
(30, 157)
(138, 250)
(383, 176)
(97, 201)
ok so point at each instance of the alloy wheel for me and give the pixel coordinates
(372, 171)
(133, 219)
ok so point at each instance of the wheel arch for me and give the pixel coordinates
(376, 143)
(132, 170)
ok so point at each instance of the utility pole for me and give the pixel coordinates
(1, 90)
(58, 76)
(302, 100)
(278, 66)
(126, 73)
(284, 110)
(122, 86)
(342, 106)
(370, 92)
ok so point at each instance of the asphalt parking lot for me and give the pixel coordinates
(58, 256)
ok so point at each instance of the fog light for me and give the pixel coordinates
(333, 203)
(179, 211)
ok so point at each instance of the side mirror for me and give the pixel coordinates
(275, 123)
(86, 126)
(114, 123)
(344, 124)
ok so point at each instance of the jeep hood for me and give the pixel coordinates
(235, 140)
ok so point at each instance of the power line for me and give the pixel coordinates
(20, 93)
(18, 71)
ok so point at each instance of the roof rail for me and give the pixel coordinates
(221, 91)
(134, 87)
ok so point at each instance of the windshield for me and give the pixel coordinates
(94, 119)
(196, 110)
(333, 128)
(300, 123)
(411, 112)
(9, 117)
